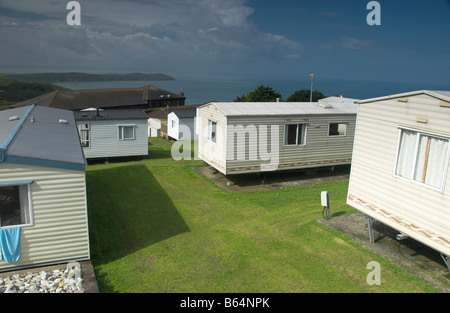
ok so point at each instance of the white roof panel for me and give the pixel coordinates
(7, 125)
(285, 108)
(441, 94)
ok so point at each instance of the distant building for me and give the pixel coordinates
(119, 98)
(157, 122)
(181, 123)
(154, 127)
(165, 122)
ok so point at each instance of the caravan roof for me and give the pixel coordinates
(40, 136)
(443, 95)
(285, 108)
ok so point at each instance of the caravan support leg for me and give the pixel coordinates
(370, 226)
(446, 260)
(264, 179)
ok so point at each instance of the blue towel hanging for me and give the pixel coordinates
(10, 244)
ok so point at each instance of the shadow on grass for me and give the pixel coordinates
(297, 176)
(128, 211)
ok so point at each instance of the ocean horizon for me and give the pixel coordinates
(203, 90)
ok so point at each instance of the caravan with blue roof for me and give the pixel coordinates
(43, 203)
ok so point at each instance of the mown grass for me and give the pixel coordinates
(157, 225)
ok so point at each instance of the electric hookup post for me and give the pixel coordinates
(325, 200)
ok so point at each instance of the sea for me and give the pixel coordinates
(200, 90)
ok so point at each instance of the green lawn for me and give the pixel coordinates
(157, 225)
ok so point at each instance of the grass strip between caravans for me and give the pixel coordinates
(157, 225)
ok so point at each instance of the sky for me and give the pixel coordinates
(231, 38)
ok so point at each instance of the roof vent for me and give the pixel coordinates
(61, 121)
(13, 118)
(325, 105)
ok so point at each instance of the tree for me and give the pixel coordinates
(304, 96)
(240, 99)
(260, 94)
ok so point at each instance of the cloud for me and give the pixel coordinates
(330, 14)
(349, 43)
(353, 43)
(135, 35)
(234, 16)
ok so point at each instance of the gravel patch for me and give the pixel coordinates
(52, 281)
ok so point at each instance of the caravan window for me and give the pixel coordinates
(83, 129)
(422, 158)
(212, 131)
(15, 204)
(126, 132)
(295, 134)
(337, 129)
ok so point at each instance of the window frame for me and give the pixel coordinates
(419, 134)
(29, 209)
(210, 128)
(88, 130)
(338, 123)
(302, 142)
(120, 132)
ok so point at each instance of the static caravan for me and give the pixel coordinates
(43, 206)
(400, 168)
(248, 137)
(181, 124)
(113, 133)
(157, 122)
(154, 127)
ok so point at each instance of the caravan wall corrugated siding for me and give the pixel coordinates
(411, 208)
(60, 230)
(319, 148)
(213, 153)
(104, 141)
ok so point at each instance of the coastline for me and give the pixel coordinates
(200, 90)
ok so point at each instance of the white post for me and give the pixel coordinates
(312, 80)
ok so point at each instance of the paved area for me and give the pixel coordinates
(413, 256)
